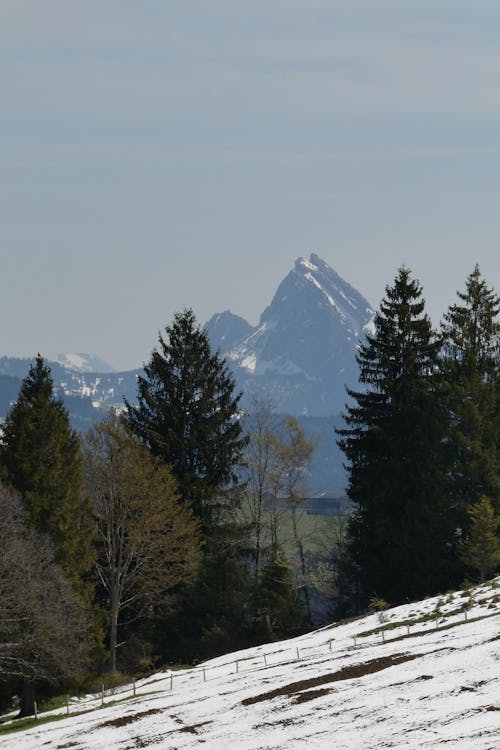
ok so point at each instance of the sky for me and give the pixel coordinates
(164, 154)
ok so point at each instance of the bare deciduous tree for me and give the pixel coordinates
(44, 626)
(147, 539)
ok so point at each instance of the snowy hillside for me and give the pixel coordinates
(424, 675)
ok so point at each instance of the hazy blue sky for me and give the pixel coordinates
(158, 154)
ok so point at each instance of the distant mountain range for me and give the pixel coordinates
(302, 354)
(83, 362)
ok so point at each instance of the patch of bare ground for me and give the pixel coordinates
(122, 721)
(310, 695)
(67, 744)
(193, 729)
(346, 673)
(289, 722)
(140, 742)
(420, 678)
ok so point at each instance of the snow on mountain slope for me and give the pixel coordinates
(83, 362)
(427, 677)
(302, 352)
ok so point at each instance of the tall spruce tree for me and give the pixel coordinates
(471, 385)
(187, 415)
(401, 535)
(40, 457)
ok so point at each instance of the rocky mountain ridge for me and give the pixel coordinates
(302, 352)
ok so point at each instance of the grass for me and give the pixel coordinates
(319, 533)
(29, 722)
(424, 618)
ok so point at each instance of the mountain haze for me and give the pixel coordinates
(302, 352)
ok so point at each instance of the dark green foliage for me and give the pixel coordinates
(401, 536)
(212, 616)
(40, 457)
(186, 415)
(279, 609)
(471, 390)
(481, 550)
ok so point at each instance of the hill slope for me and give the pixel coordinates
(429, 678)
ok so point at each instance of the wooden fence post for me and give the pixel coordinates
(171, 680)
(36, 710)
(67, 703)
(265, 660)
(298, 655)
(134, 687)
(102, 694)
(204, 675)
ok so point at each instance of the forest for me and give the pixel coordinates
(159, 537)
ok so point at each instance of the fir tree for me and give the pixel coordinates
(187, 415)
(40, 457)
(278, 606)
(471, 383)
(481, 551)
(401, 534)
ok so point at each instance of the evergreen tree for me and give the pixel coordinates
(278, 606)
(401, 535)
(471, 387)
(40, 457)
(481, 551)
(212, 616)
(186, 415)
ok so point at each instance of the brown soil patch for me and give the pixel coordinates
(346, 673)
(193, 729)
(310, 695)
(122, 721)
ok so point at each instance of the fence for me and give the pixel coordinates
(254, 661)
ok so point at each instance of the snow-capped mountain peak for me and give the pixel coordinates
(302, 352)
(80, 362)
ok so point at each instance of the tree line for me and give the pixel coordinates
(129, 548)
(421, 439)
(156, 538)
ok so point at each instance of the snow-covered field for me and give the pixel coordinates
(433, 683)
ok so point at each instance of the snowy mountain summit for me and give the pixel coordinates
(79, 362)
(302, 352)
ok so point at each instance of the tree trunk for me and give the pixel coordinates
(302, 559)
(113, 636)
(258, 534)
(27, 699)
